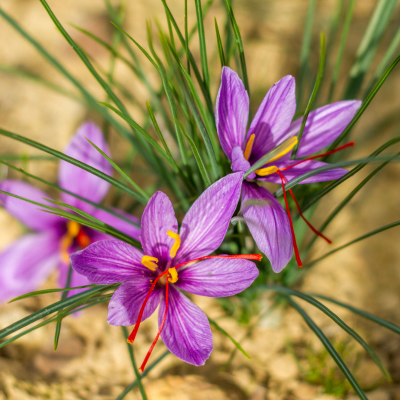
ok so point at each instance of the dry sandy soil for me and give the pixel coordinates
(287, 361)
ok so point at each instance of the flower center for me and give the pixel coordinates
(272, 170)
(166, 277)
(74, 232)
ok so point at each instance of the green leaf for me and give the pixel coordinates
(351, 173)
(202, 42)
(305, 50)
(96, 205)
(186, 38)
(313, 94)
(220, 46)
(342, 45)
(224, 332)
(368, 46)
(367, 235)
(75, 162)
(309, 299)
(239, 44)
(124, 175)
(147, 370)
(362, 313)
(57, 306)
(46, 291)
(331, 350)
(135, 368)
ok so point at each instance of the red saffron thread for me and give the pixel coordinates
(142, 367)
(296, 250)
(302, 216)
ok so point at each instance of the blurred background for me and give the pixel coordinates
(288, 362)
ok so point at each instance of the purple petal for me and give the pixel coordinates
(239, 163)
(231, 111)
(323, 126)
(27, 263)
(186, 331)
(76, 279)
(117, 223)
(158, 218)
(205, 224)
(272, 120)
(268, 223)
(79, 181)
(303, 168)
(110, 261)
(126, 302)
(29, 214)
(217, 277)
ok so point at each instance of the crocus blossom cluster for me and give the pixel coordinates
(271, 127)
(171, 262)
(28, 261)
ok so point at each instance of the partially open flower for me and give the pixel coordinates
(171, 262)
(272, 126)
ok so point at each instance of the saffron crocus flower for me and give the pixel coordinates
(168, 264)
(271, 127)
(28, 261)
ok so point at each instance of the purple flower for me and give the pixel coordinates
(28, 262)
(166, 266)
(271, 127)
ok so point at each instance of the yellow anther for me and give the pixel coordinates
(286, 147)
(176, 245)
(150, 262)
(73, 228)
(173, 275)
(266, 171)
(249, 147)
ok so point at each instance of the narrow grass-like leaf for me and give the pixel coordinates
(309, 299)
(305, 50)
(123, 174)
(146, 371)
(135, 368)
(46, 291)
(57, 306)
(197, 156)
(359, 239)
(385, 61)
(336, 211)
(368, 46)
(186, 38)
(351, 173)
(342, 45)
(224, 332)
(362, 313)
(96, 205)
(202, 42)
(196, 71)
(59, 319)
(75, 162)
(220, 46)
(313, 94)
(331, 350)
(239, 44)
(209, 139)
(342, 164)
(170, 97)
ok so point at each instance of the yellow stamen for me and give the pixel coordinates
(286, 147)
(176, 245)
(66, 241)
(150, 262)
(173, 275)
(266, 171)
(73, 228)
(249, 147)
